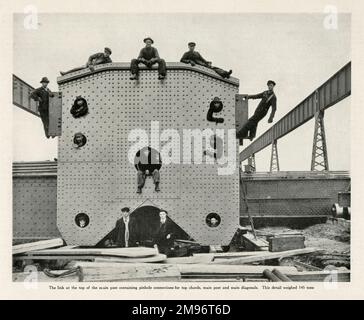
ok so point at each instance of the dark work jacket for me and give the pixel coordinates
(195, 57)
(264, 104)
(148, 53)
(151, 162)
(118, 234)
(99, 58)
(42, 95)
(160, 236)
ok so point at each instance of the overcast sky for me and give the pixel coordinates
(295, 50)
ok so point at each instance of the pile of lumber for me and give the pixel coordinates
(117, 255)
(147, 264)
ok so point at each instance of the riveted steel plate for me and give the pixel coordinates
(34, 207)
(292, 196)
(98, 179)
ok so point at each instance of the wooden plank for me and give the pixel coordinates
(26, 277)
(319, 276)
(156, 258)
(53, 257)
(257, 244)
(214, 269)
(37, 245)
(137, 252)
(103, 271)
(286, 242)
(205, 258)
(266, 256)
(230, 255)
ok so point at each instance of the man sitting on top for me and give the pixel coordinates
(193, 57)
(148, 56)
(93, 60)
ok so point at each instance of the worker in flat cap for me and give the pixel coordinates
(193, 57)
(269, 99)
(148, 56)
(42, 95)
(93, 60)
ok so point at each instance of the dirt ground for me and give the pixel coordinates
(333, 238)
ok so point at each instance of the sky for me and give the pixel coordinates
(295, 50)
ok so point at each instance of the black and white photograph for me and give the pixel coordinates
(202, 149)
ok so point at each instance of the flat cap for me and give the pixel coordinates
(192, 44)
(271, 82)
(108, 50)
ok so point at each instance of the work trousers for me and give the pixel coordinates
(141, 177)
(221, 72)
(249, 129)
(134, 66)
(44, 115)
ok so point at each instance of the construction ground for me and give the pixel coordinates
(320, 252)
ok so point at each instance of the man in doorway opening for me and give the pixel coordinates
(125, 233)
(163, 238)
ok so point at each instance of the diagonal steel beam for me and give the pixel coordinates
(331, 92)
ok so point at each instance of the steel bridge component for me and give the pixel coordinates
(274, 160)
(320, 161)
(98, 178)
(21, 99)
(241, 112)
(34, 201)
(21, 96)
(292, 194)
(331, 92)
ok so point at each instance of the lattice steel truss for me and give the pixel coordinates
(320, 161)
(274, 161)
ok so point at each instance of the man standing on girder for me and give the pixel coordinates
(192, 57)
(42, 95)
(148, 56)
(93, 60)
(269, 99)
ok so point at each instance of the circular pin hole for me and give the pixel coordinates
(79, 140)
(82, 220)
(147, 158)
(213, 220)
(79, 107)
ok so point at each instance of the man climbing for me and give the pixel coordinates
(125, 233)
(93, 60)
(148, 56)
(148, 163)
(42, 95)
(193, 57)
(269, 99)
